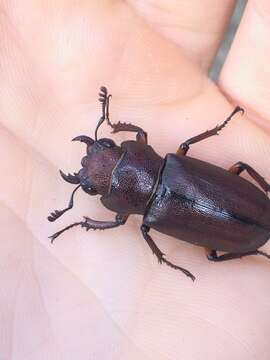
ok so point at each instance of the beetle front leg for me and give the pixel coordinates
(240, 167)
(94, 224)
(184, 147)
(159, 254)
(141, 135)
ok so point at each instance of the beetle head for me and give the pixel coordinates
(102, 156)
(97, 166)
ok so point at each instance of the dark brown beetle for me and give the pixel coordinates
(180, 196)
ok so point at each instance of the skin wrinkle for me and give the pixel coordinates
(262, 9)
(251, 114)
(34, 151)
(230, 334)
(73, 273)
(25, 72)
(245, 345)
(50, 335)
(168, 11)
(11, 324)
(233, 336)
(20, 142)
(20, 264)
(100, 302)
(182, 102)
(43, 304)
(189, 98)
(156, 17)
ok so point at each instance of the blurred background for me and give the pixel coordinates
(223, 51)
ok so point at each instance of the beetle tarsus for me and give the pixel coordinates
(55, 215)
(55, 235)
(159, 254)
(184, 147)
(186, 272)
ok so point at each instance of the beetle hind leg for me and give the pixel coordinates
(239, 167)
(159, 254)
(213, 256)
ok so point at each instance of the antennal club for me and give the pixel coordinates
(104, 99)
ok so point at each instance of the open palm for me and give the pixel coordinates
(102, 295)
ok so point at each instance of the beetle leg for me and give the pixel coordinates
(213, 256)
(94, 224)
(159, 254)
(105, 100)
(184, 147)
(210, 253)
(240, 167)
(141, 135)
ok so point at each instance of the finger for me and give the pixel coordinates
(197, 26)
(246, 74)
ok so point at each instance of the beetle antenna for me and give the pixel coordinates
(57, 213)
(107, 110)
(104, 99)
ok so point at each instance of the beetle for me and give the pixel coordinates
(178, 195)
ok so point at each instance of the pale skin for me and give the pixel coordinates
(102, 295)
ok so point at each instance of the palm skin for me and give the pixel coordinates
(102, 295)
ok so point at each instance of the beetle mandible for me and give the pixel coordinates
(178, 195)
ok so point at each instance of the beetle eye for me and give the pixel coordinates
(108, 143)
(90, 190)
(85, 161)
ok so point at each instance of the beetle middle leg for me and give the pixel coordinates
(240, 167)
(213, 256)
(184, 147)
(93, 224)
(159, 254)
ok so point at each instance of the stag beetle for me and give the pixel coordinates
(180, 196)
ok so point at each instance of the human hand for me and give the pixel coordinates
(102, 295)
